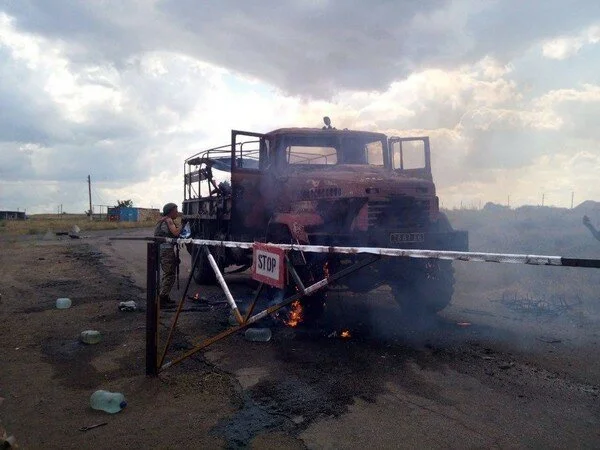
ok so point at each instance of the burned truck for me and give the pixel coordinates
(324, 186)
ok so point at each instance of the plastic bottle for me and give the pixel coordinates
(186, 232)
(63, 303)
(90, 337)
(111, 402)
(258, 334)
(128, 306)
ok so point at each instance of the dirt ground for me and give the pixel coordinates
(480, 375)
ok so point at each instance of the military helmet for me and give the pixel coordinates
(168, 208)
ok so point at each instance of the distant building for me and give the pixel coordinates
(132, 214)
(12, 215)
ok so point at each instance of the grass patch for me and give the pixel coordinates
(43, 224)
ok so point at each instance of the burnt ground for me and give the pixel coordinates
(481, 374)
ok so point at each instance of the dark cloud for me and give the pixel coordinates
(307, 48)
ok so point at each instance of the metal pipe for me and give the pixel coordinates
(224, 286)
(295, 275)
(254, 300)
(270, 310)
(179, 308)
(151, 311)
(511, 258)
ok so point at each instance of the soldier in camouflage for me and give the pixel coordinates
(168, 262)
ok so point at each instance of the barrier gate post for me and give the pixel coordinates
(152, 310)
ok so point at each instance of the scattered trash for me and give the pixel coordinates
(463, 324)
(63, 303)
(110, 402)
(91, 427)
(232, 320)
(74, 233)
(549, 340)
(90, 337)
(552, 305)
(258, 334)
(128, 306)
(8, 442)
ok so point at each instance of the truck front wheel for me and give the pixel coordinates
(424, 288)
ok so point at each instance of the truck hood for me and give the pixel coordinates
(357, 180)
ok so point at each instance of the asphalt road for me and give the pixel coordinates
(479, 375)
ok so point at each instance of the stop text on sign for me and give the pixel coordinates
(268, 265)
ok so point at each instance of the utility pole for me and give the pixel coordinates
(509, 200)
(543, 195)
(572, 198)
(90, 195)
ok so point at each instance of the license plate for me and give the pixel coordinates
(401, 238)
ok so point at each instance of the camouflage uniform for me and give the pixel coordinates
(168, 262)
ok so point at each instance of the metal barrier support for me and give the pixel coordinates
(224, 286)
(153, 365)
(270, 310)
(151, 310)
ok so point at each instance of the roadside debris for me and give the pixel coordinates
(63, 303)
(74, 233)
(549, 340)
(91, 427)
(552, 305)
(258, 334)
(90, 337)
(128, 306)
(506, 366)
(7, 441)
(110, 402)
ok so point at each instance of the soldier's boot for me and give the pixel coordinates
(166, 302)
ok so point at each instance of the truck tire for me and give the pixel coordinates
(425, 287)
(203, 272)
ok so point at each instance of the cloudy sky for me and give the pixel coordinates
(125, 90)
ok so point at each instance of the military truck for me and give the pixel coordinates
(325, 186)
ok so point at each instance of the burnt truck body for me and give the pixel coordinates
(326, 187)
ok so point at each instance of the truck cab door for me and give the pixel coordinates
(411, 156)
(249, 157)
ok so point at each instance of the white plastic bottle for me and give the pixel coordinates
(258, 334)
(90, 337)
(111, 402)
(63, 303)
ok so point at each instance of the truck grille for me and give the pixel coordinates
(399, 213)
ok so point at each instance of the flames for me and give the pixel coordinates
(345, 334)
(295, 315)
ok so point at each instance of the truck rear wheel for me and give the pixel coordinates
(203, 272)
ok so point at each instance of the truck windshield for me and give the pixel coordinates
(333, 150)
